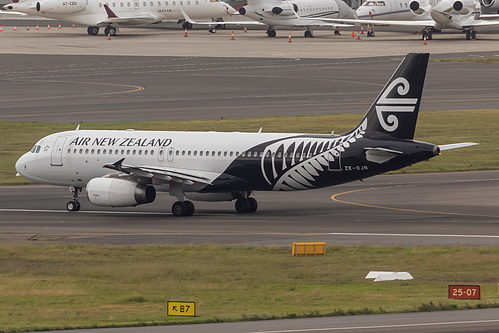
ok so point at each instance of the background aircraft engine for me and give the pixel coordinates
(288, 9)
(114, 192)
(459, 7)
(491, 4)
(58, 7)
(416, 8)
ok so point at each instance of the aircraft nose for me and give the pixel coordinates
(22, 165)
(8, 7)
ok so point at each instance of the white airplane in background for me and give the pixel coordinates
(490, 6)
(121, 13)
(126, 168)
(431, 15)
(297, 13)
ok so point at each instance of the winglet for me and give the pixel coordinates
(110, 13)
(115, 166)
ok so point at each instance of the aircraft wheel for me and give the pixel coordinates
(271, 33)
(212, 30)
(73, 206)
(430, 35)
(110, 30)
(190, 208)
(187, 25)
(308, 34)
(93, 31)
(468, 35)
(253, 205)
(242, 206)
(179, 208)
(473, 35)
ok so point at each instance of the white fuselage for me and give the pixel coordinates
(92, 12)
(332, 9)
(389, 10)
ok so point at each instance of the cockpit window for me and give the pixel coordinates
(380, 3)
(36, 149)
(370, 3)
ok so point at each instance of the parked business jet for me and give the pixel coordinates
(121, 13)
(431, 15)
(125, 168)
(297, 13)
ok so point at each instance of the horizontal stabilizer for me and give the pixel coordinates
(457, 145)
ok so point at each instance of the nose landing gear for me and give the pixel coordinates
(74, 205)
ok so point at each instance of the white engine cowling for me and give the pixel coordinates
(416, 7)
(60, 6)
(287, 9)
(461, 8)
(115, 192)
(491, 4)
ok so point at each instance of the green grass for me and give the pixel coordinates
(435, 127)
(483, 60)
(51, 286)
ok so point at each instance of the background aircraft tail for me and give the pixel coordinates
(395, 110)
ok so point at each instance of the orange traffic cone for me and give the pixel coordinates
(185, 33)
(289, 38)
(37, 27)
(73, 25)
(15, 28)
(424, 40)
(353, 33)
(48, 26)
(59, 26)
(27, 28)
(232, 38)
(108, 36)
(362, 29)
(358, 35)
(1, 29)
(245, 30)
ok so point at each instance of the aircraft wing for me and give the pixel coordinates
(457, 145)
(190, 20)
(164, 175)
(422, 23)
(481, 23)
(112, 18)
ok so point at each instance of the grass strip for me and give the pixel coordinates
(50, 286)
(440, 127)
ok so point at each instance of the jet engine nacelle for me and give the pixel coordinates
(460, 8)
(115, 192)
(491, 4)
(60, 6)
(416, 7)
(287, 9)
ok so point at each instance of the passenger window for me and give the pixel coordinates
(104, 152)
(144, 4)
(86, 151)
(183, 152)
(134, 152)
(152, 152)
(98, 151)
(145, 152)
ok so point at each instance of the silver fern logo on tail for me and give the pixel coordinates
(297, 163)
(392, 105)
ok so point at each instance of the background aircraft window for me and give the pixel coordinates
(152, 152)
(181, 3)
(86, 151)
(145, 152)
(152, 4)
(231, 153)
(177, 152)
(183, 152)
(134, 152)
(279, 155)
(114, 4)
(81, 151)
(200, 153)
(225, 153)
(255, 154)
(122, 152)
(261, 154)
(128, 4)
(140, 152)
(219, 153)
(121, 4)
(188, 3)
(189, 153)
(243, 154)
(69, 151)
(207, 153)
(92, 151)
(128, 152)
(144, 4)
(237, 153)
(195, 152)
(173, 3)
(100, 5)
(166, 3)
(197, 3)
(98, 151)
(74, 151)
(213, 153)
(104, 152)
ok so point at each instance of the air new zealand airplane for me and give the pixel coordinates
(126, 168)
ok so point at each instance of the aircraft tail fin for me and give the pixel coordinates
(395, 110)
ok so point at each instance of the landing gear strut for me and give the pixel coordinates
(74, 205)
(181, 207)
(428, 33)
(470, 34)
(271, 32)
(246, 205)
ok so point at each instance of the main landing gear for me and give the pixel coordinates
(246, 205)
(109, 30)
(470, 34)
(74, 205)
(271, 32)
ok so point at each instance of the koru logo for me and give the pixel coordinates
(393, 105)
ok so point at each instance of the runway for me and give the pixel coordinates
(392, 210)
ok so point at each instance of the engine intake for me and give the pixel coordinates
(58, 7)
(459, 7)
(114, 192)
(416, 8)
(289, 10)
